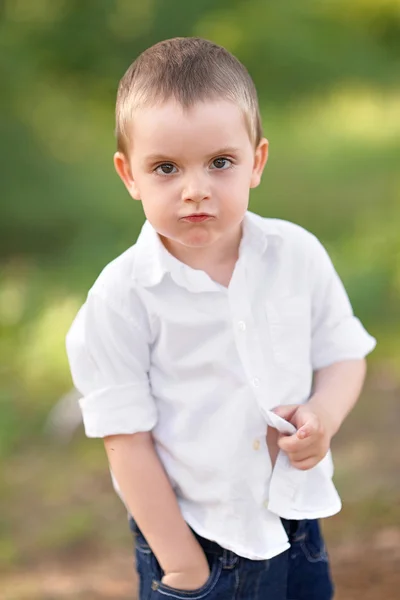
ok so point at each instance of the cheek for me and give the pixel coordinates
(149, 192)
(237, 186)
(243, 176)
(158, 199)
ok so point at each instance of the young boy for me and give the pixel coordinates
(195, 350)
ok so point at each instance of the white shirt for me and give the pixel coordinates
(160, 346)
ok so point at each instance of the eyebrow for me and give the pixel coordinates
(154, 158)
(226, 150)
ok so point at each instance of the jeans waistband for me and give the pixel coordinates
(228, 558)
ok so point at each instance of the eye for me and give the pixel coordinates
(165, 169)
(221, 163)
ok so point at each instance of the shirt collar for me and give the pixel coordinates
(153, 261)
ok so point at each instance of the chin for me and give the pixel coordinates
(198, 239)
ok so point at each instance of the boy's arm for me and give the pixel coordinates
(336, 390)
(150, 498)
(109, 354)
(339, 344)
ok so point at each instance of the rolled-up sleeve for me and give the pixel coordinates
(109, 356)
(336, 333)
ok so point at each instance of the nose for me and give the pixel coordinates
(196, 188)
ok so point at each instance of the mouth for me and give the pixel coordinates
(197, 218)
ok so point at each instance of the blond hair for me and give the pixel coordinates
(189, 70)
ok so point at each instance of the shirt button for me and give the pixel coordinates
(242, 326)
(266, 503)
(256, 444)
(256, 382)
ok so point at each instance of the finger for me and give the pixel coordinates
(286, 412)
(306, 464)
(308, 425)
(291, 443)
(304, 432)
(300, 456)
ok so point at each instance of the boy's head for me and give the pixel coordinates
(190, 142)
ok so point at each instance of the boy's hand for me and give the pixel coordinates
(310, 444)
(187, 580)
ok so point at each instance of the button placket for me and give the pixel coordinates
(246, 335)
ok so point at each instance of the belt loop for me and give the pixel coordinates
(229, 558)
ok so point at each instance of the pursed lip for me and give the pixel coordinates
(198, 216)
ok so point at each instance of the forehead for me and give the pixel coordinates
(172, 129)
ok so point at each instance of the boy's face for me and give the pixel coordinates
(192, 169)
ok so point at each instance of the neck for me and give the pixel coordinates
(223, 252)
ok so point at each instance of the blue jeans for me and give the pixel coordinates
(300, 573)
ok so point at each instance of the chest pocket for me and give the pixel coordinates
(289, 322)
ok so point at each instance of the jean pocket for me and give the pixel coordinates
(309, 538)
(205, 591)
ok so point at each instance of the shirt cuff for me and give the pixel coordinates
(347, 341)
(123, 409)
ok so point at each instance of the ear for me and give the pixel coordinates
(123, 168)
(260, 159)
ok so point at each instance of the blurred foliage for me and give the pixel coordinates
(327, 73)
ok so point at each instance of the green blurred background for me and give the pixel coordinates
(328, 76)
